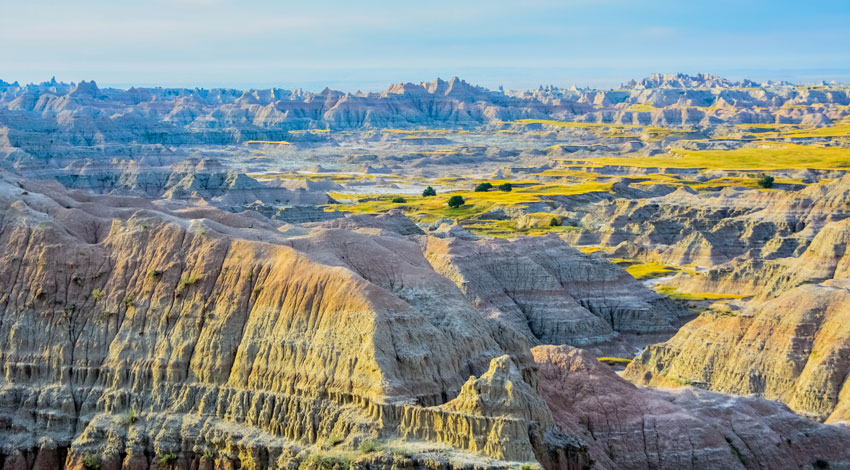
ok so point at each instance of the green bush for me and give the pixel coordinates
(553, 222)
(456, 201)
(131, 417)
(429, 191)
(765, 181)
(97, 294)
(167, 459)
(483, 187)
(506, 187)
(369, 445)
(324, 462)
(91, 462)
(401, 200)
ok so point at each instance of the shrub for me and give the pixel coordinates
(400, 200)
(324, 462)
(429, 191)
(128, 301)
(335, 438)
(154, 274)
(765, 181)
(186, 282)
(456, 201)
(369, 445)
(96, 294)
(483, 187)
(553, 222)
(209, 453)
(91, 462)
(167, 459)
(506, 187)
(131, 417)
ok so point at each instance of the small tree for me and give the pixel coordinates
(483, 187)
(429, 191)
(399, 200)
(506, 187)
(455, 202)
(553, 222)
(765, 181)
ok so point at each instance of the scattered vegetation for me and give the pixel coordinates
(128, 302)
(455, 201)
(154, 274)
(209, 453)
(97, 294)
(428, 192)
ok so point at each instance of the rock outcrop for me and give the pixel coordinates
(628, 427)
(550, 291)
(135, 335)
(793, 348)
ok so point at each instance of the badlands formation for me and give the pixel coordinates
(658, 277)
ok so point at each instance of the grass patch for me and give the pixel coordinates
(615, 361)
(769, 156)
(675, 294)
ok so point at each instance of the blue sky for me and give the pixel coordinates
(352, 45)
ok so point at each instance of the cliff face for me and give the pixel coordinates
(132, 334)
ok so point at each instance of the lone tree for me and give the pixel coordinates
(483, 187)
(506, 187)
(455, 202)
(429, 191)
(765, 181)
(553, 222)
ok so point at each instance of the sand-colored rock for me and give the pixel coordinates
(131, 333)
(793, 348)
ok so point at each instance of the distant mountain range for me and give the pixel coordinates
(40, 119)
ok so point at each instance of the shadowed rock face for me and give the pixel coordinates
(628, 427)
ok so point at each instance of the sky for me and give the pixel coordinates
(359, 45)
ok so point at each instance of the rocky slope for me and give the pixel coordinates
(628, 427)
(793, 348)
(133, 334)
(147, 335)
(551, 291)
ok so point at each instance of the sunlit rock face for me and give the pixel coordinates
(130, 331)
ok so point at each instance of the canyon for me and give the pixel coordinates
(225, 279)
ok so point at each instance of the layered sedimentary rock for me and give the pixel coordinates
(551, 291)
(134, 335)
(709, 229)
(628, 427)
(793, 348)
